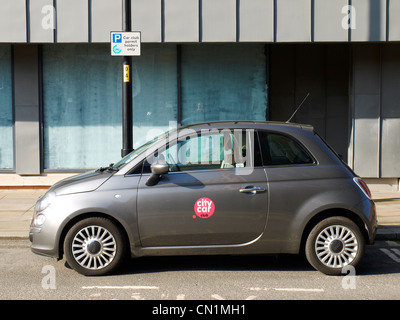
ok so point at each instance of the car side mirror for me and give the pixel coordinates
(157, 169)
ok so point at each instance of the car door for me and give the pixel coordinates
(294, 179)
(214, 194)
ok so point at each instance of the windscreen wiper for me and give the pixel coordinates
(109, 168)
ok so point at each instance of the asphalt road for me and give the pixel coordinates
(27, 276)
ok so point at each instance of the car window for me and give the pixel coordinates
(278, 149)
(132, 155)
(220, 150)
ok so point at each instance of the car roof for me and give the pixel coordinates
(251, 124)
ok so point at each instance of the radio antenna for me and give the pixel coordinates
(298, 108)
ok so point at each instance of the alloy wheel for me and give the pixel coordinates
(336, 246)
(94, 247)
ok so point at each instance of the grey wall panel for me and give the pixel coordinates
(218, 20)
(27, 142)
(394, 21)
(40, 29)
(366, 69)
(26, 100)
(146, 17)
(12, 21)
(72, 21)
(370, 20)
(390, 166)
(366, 144)
(310, 78)
(337, 123)
(390, 112)
(205, 20)
(293, 20)
(282, 81)
(256, 20)
(328, 18)
(321, 70)
(106, 17)
(337, 97)
(181, 21)
(391, 80)
(366, 135)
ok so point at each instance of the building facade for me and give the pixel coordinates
(202, 60)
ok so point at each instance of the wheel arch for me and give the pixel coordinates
(332, 213)
(86, 215)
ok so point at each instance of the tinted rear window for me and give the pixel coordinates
(279, 149)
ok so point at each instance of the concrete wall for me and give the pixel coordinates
(353, 79)
(322, 70)
(201, 20)
(27, 111)
(354, 100)
(375, 110)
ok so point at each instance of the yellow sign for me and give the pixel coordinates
(126, 73)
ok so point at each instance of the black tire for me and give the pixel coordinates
(94, 246)
(333, 244)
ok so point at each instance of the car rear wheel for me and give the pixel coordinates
(94, 246)
(333, 244)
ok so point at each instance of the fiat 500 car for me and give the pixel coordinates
(211, 188)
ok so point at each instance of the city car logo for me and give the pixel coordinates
(204, 208)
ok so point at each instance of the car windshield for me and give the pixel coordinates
(129, 157)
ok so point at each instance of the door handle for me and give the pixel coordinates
(252, 190)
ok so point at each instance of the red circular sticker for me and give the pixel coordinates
(204, 208)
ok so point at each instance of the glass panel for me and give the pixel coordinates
(6, 114)
(281, 150)
(82, 106)
(223, 82)
(82, 102)
(154, 92)
(224, 150)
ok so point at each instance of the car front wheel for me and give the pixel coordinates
(94, 246)
(333, 244)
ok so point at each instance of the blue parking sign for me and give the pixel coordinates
(117, 38)
(125, 43)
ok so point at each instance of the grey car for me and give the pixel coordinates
(211, 188)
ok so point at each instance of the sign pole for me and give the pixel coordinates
(127, 113)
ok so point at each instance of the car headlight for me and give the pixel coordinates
(39, 220)
(45, 201)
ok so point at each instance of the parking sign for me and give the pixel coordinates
(117, 38)
(125, 43)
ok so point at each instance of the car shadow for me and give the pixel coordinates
(375, 262)
(182, 179)
(214, 263)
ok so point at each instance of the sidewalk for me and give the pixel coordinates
(16, 209)
(388, 211)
